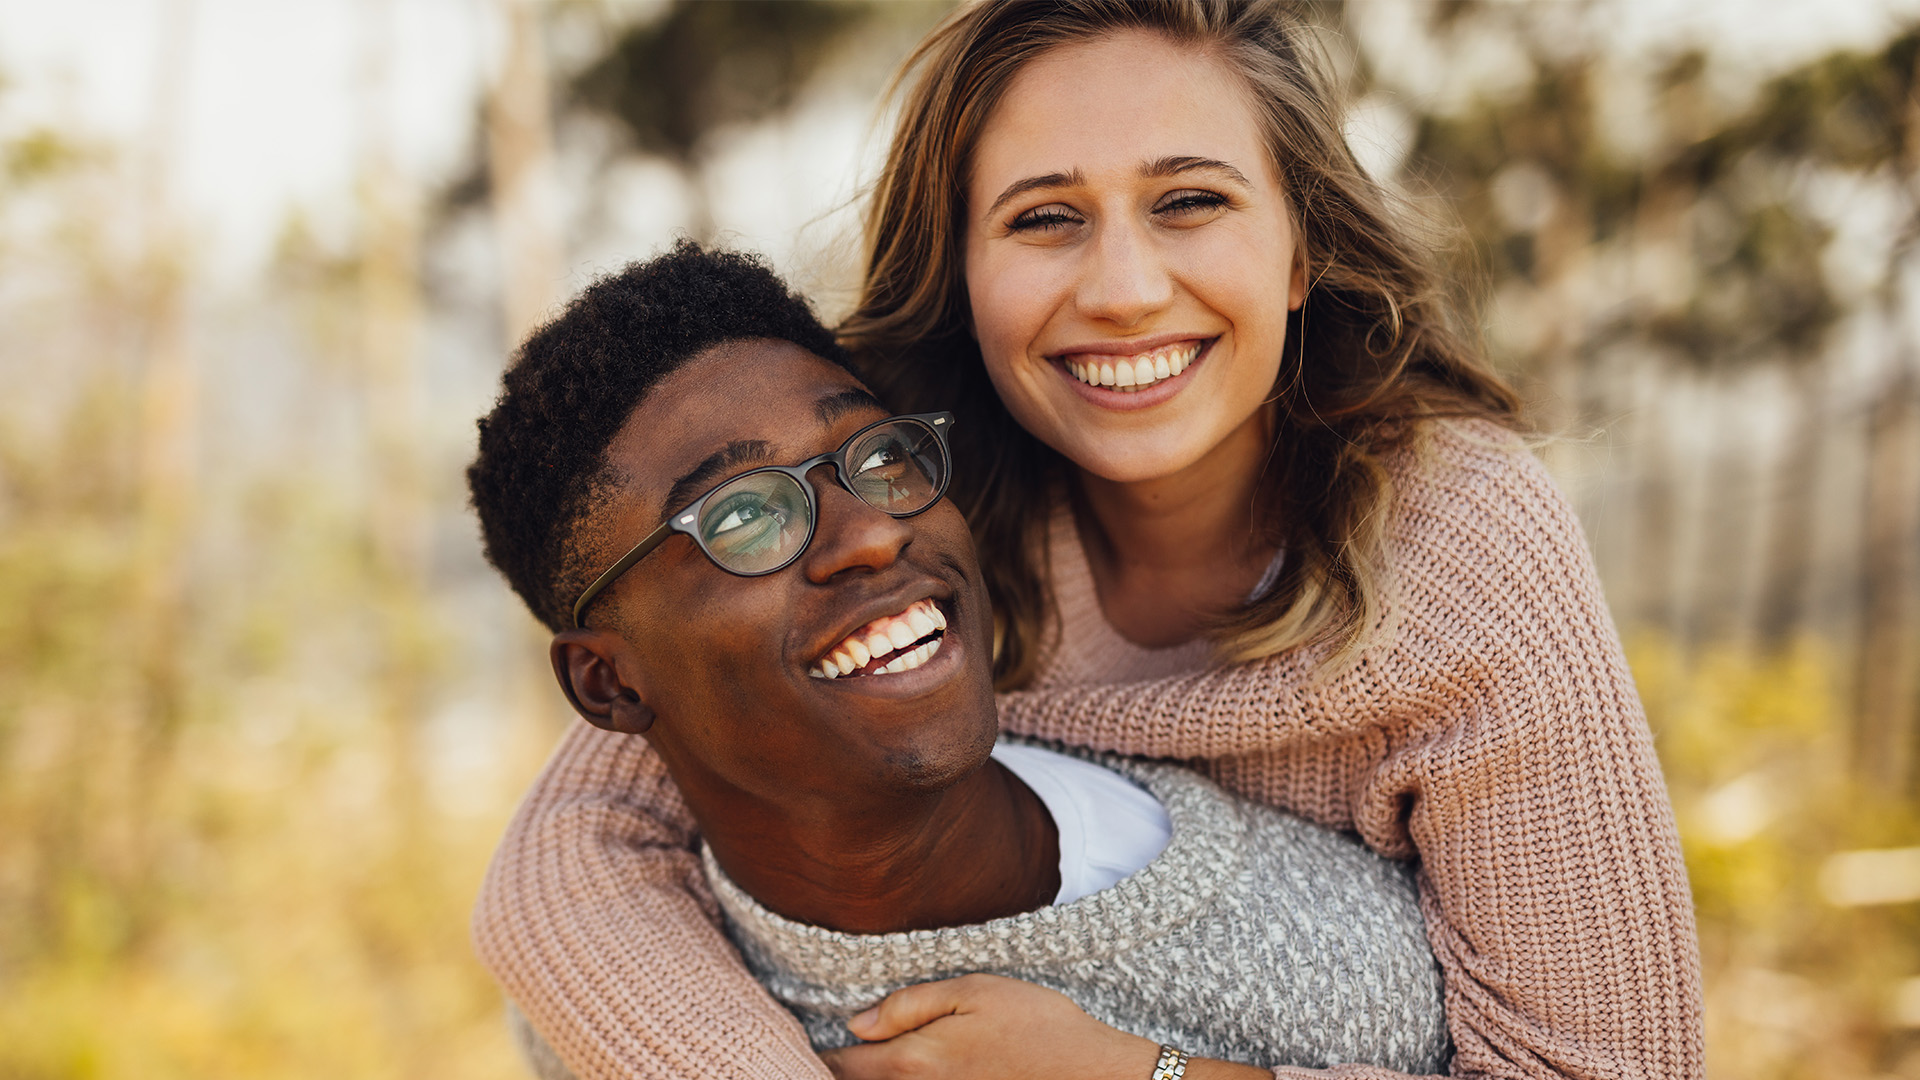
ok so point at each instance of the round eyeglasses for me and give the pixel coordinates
(763, 519)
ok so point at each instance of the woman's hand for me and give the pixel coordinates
(980, 1026)
(977, 1027)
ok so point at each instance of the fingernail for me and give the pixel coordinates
(865, 1019)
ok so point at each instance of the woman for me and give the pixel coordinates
(1307, 553)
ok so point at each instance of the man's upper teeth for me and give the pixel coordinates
(886, 635)
(1136, 372)
(921, 622)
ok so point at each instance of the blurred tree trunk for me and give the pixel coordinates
(1655, 547)
(1787, 559)
(701, 224)
(167, 481)
(1889, 658)
(1888, 681)
(389, 302)
(1724, 521)
(520, 161)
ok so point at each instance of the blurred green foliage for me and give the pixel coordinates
(1702, 241)
(256, 901)
(250, 884)
(669, 81)
(1756, 755)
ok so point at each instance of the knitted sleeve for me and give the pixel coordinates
(596, 919)
(1495, 734)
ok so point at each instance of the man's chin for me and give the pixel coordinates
(929, 765)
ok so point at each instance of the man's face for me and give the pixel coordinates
(732, 666)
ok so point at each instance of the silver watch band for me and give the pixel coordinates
(1172, 1064)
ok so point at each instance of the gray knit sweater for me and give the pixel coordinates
(1254, 937)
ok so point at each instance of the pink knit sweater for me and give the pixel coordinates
(1495, 734)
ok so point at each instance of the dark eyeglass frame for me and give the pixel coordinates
(686, 520)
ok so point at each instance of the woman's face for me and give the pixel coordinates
(1125, 226)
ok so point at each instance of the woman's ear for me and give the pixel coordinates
(583, 663)
(1298, 286)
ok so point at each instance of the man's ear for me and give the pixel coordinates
(583, 663)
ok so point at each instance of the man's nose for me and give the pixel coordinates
(850, 535)
(1123, 278)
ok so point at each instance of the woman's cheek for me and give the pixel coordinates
(1014, 292)
(1021, 387)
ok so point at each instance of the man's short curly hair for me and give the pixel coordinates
(542, 465)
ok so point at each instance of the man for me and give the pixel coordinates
(750, 565)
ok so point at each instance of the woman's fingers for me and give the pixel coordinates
(986, 1027)
(911, 1007)
(879, 1061)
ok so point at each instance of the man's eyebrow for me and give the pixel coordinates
(842, 402)
(1034, 183)
(746, 453)
(717, 465)
(1173, 166)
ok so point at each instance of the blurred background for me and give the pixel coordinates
(264, 709)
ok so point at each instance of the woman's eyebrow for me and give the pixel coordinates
(1161, 167)
(1033, 183)
(717, 465)
(1174, 166)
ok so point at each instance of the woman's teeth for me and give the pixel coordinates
(1129, 374)
(886, 645)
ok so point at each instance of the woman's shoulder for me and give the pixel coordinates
(1482, 545)
(1471, 460)
(1465, 484)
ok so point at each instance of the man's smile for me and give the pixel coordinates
(890, 644)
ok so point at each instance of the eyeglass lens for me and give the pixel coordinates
(758, 522)
(751, 524)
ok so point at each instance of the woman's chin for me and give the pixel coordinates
(1174, 452)
(1135, 460)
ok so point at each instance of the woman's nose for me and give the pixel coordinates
(1123, 279)
(850, 535)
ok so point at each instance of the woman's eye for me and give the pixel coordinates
(1182, 203)
(1044, 219)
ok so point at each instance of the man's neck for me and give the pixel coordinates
(982, 849)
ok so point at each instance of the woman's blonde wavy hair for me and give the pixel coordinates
(1376, 351)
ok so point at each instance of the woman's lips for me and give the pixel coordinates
(1135, 372)
(1087, 372)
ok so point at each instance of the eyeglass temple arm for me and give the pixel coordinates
(653, 540)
